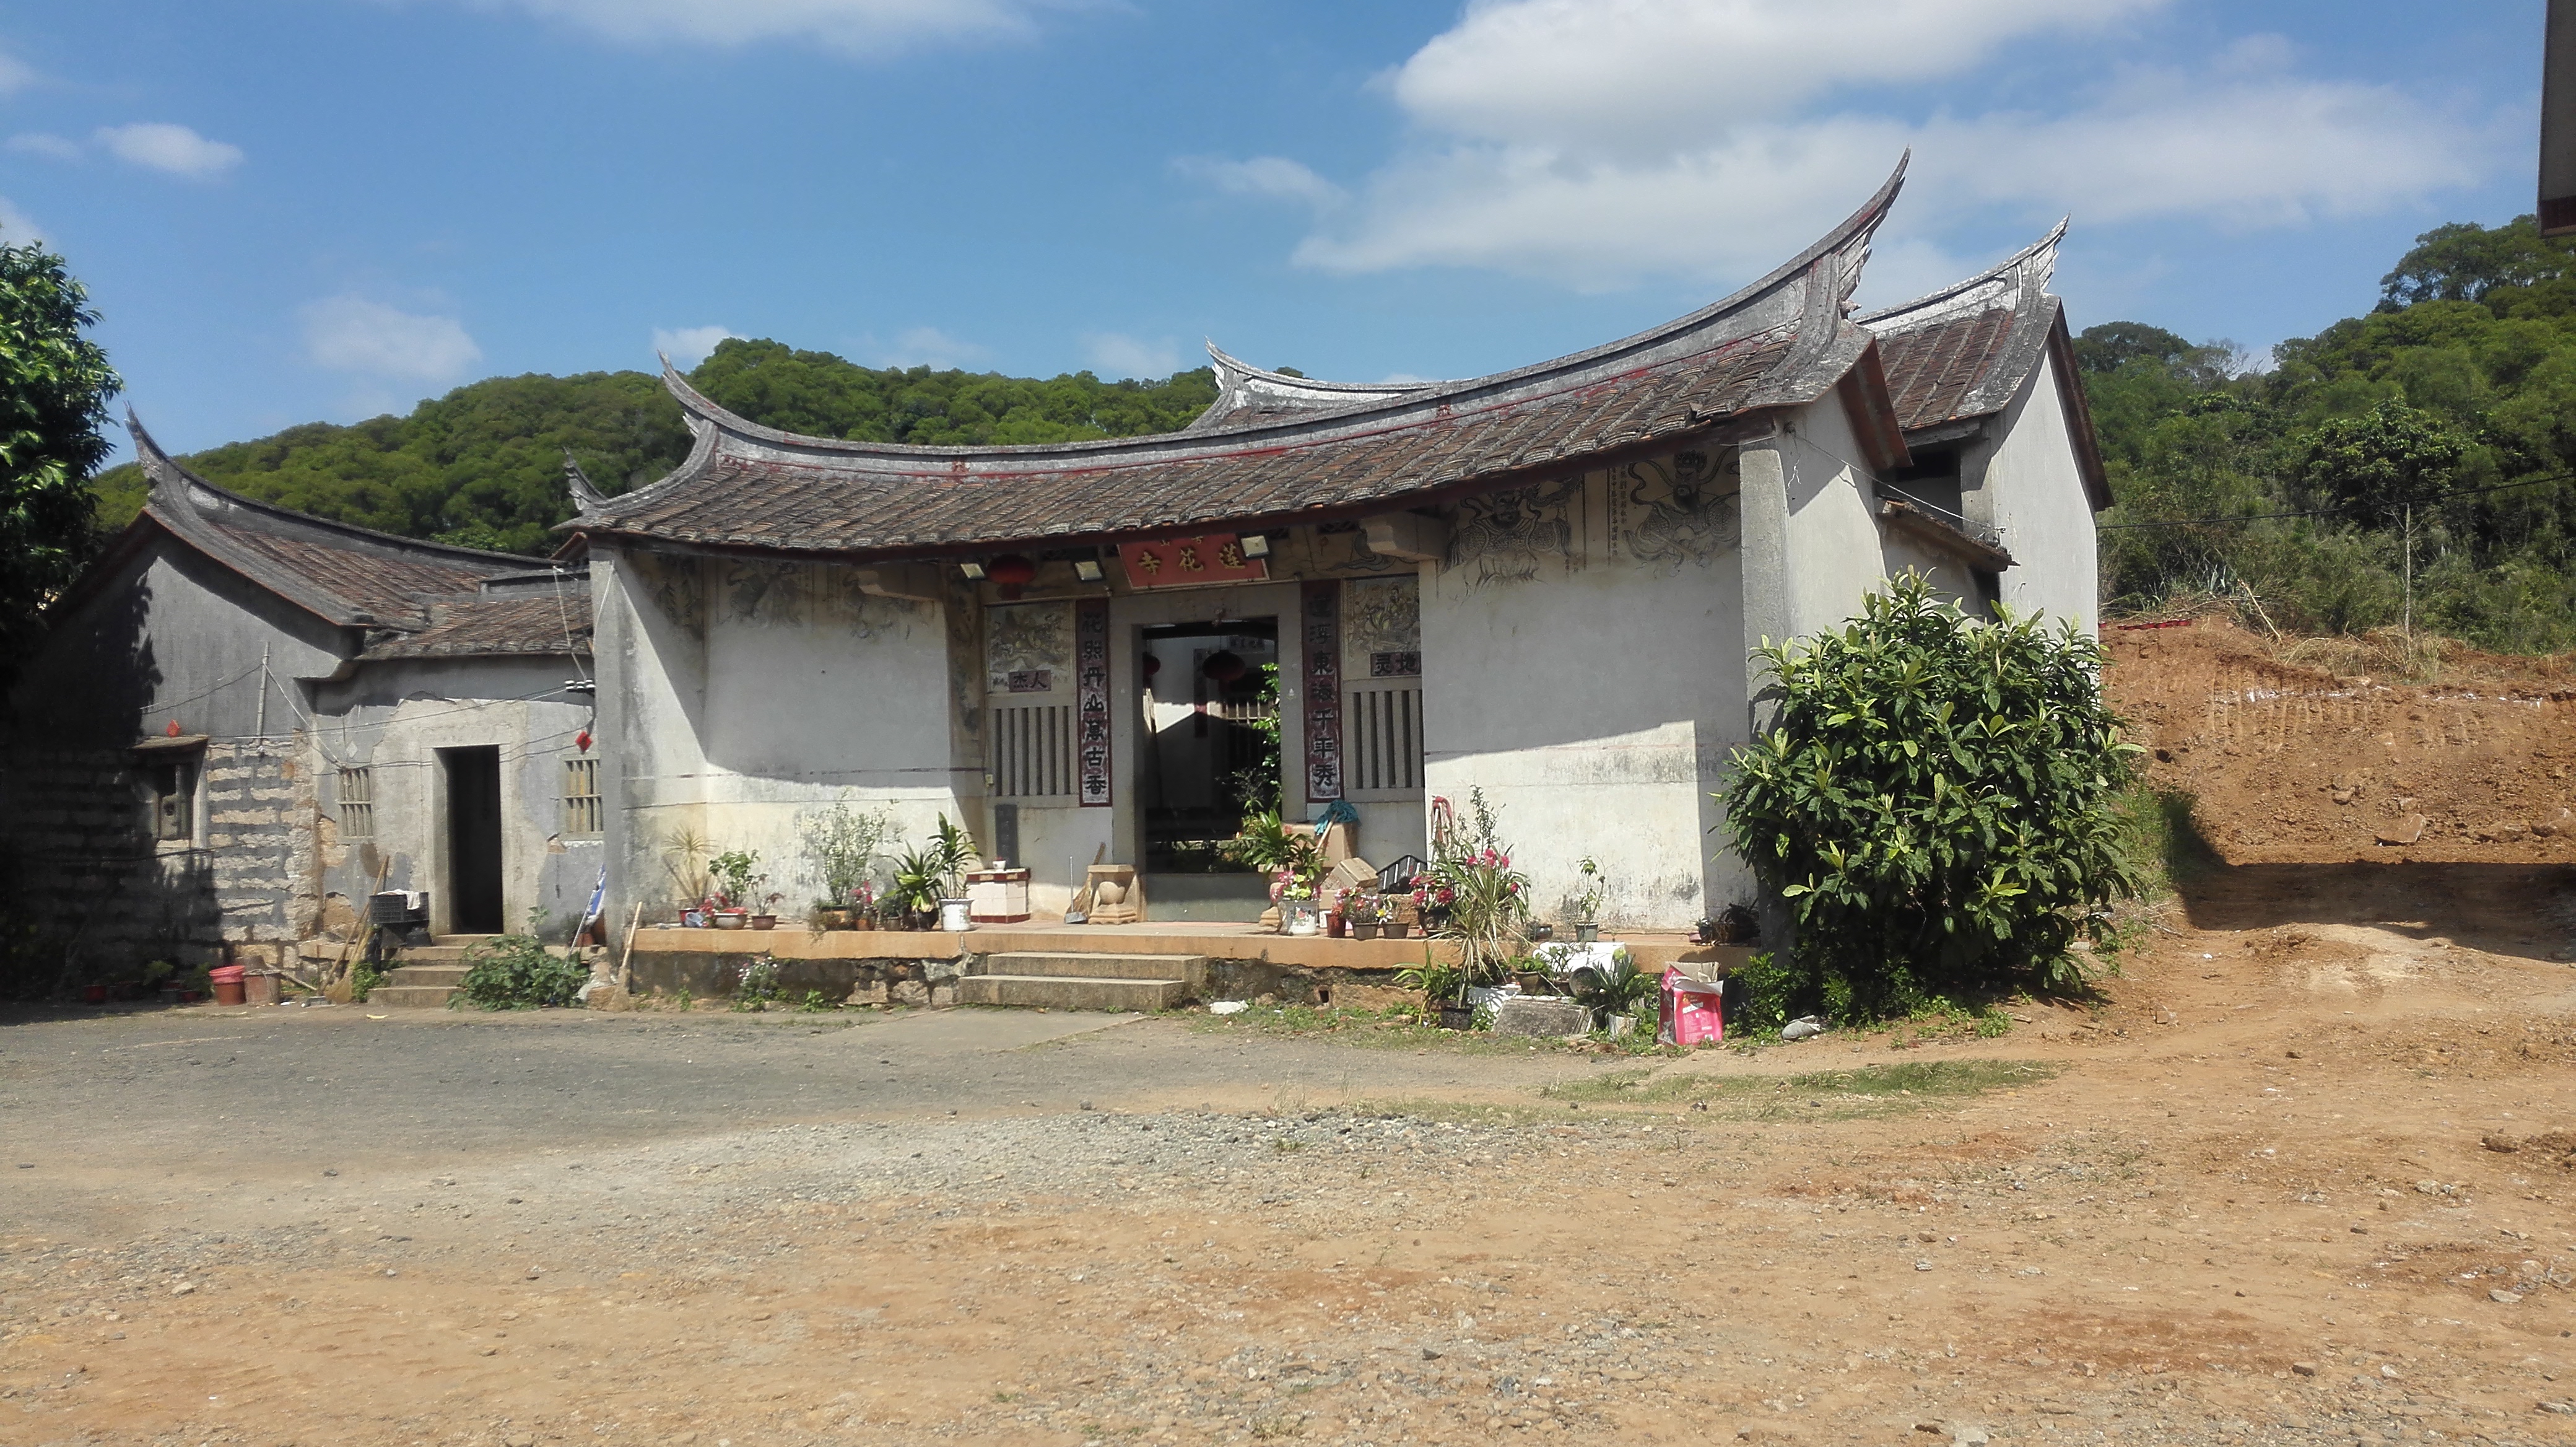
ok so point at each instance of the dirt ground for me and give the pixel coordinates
(2256, 1198)
(2294, 761)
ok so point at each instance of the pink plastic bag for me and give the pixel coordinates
(1692, 1014)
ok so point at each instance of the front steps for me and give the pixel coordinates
(1139, 983)
(425, 976)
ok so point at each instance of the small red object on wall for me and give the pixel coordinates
(173, 729)
(581, 741)
(1182, 562)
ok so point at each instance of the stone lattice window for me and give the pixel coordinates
(357, 803)
(583, 816)
(174, 800)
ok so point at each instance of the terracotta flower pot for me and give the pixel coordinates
(764, 921)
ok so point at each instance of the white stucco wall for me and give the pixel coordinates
(392, 718)
(2032, 488)
(751, 694)
(1582, 663)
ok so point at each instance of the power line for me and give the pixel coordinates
(2317, 512)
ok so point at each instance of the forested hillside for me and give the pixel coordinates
(2441, 425)
(483, 465)
(2447, 416)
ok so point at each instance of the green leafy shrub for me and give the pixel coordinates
(514, 972)
(756, 985)
(1938, 804)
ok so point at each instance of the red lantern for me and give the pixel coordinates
(1153, 665)
(582, 740)
(1225, 666)
(1011, 573)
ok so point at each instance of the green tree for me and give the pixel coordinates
(2464, 261)
(1936, 803)
(54, 387)
(2383, 466)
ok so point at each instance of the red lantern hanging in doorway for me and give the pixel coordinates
(1225, 666)
(1011, 573)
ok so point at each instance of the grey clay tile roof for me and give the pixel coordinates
(487, 626)
(1274, 449)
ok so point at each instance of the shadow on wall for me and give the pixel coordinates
(87, 895)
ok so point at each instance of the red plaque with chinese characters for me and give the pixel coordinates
(1179, 562)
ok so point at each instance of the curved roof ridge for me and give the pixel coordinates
(174, 485)
(2031, 268)
(1243, 388)
(1735, 318)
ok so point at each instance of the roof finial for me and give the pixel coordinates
(586, 498)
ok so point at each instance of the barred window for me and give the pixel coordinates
(174, 801)
(357, 803)
(582, 813)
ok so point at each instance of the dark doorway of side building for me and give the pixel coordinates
(1211, 758)
(473, 840)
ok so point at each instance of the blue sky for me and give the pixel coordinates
(325, 209)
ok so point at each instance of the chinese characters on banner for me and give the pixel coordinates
(1091, 694)
(1216, 558)
(1321, 603)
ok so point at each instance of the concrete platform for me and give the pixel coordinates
(1652, 952)
(1069, 992)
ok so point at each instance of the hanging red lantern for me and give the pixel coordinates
(1153, 665)
(1010, 572)
(1225, 666)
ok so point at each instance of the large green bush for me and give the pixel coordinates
(515, 972)
(1938, 804)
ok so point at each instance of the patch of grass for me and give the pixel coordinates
(1406, 1027)
(1825, 1095)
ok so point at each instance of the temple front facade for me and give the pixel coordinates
(1541, 585)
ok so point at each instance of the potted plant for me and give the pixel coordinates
(737, 876)
(1587, 904)
(1485, 902)
(841, 843)
(1613, 992)
(768, 919)
(1363, 912)
(1270, 845)
(953, 853)
(684, 858)
(917, 886)
(1443, 986)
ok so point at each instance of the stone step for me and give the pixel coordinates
(408, 973)
(1189, 969)
(1067, 992)
(430, 954)
(411, 997)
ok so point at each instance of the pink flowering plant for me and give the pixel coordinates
(1486, 899)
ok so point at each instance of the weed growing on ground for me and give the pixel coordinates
(363, 979)
(1824, 1095)
(1406, 1027)
(756, 985)
(515, 972)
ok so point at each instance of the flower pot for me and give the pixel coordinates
(1300, 919)
(864, 921)
(729, 919)
(227, 981)
(764, 921)
(1335, 927)
(1457, 1017)
(1588, 932)
(955, 917)
(1364, 929)
(833, 918)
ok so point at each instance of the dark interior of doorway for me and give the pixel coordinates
(473, 840)
(1216, 760)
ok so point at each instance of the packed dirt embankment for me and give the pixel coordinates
(2293, 760)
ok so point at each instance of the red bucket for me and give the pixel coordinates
(227, 980)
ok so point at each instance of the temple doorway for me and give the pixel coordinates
(1208, 757)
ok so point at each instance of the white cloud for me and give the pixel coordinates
(928, 347)
(16, 227)
(51, 147)
(15, 74)
(688, 346)
(1595, 142)
(1640, 73)
(1274, 176)
(172, 148)
(352, 334)
(1115, 354)
(864, 27)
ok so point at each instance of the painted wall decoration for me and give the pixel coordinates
(1027, 646)
(1320, 610)
(1091, 701)
(1382, 628)
(675, 586)
(793, 595)
(1665, 513)
(1510, 536)
(1181, 562)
